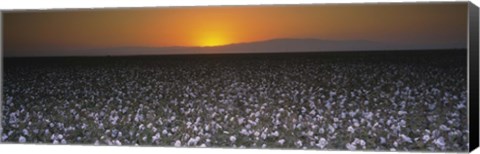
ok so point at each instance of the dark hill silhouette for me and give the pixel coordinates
(267, 46)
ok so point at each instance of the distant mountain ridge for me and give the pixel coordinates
(285, 45)
(266, 46)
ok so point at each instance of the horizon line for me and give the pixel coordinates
(237, 53)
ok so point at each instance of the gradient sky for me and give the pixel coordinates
(37, 31)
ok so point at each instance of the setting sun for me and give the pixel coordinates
(208, 38)
(212, 41)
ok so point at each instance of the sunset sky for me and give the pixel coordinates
(58, 30)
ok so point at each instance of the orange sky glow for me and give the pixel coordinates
(220, 25)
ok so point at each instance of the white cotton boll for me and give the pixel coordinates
(356, 141)
(454, 133)
(321, 130)
(444, 128)
(107, 131)
(114, 133)
(383, 140)
(264, 146)
(207, 127)
(440, 142)
(233, 138)
(164, 132)
(304, 109)
(248, 126)
(191, 141)
(281, 141)
(252, 122)
(141, 127)
(362, 143)
(343, 115)
(119, 134)
(331, 129)
(156, 137)
(244, 132)
(322, 143)
(431, 106)
(402, 113)
(178, 143)
(25, 132)
(350, 146)
(425, 138)
(241, 120)
(298, 143)
(63, 141)
(263, 136)
(395, 144)
(109, 142)
(365, 102)
(55, 142)
(403, 123)
(275, 133)
(361, 121)
(203, 145)
(333, 93)
(310, 133)
(256, 134)
(328, 105)
(356, 124)
(197, 120)
(451, 122)
(369, 115)
(22, 139)
(352, 114)
(4, 137)
(350, 129)
(195, 129)
(60, 136)
(406, 138)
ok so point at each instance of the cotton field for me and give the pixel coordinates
(331, 101)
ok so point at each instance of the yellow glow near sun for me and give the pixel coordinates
(212, 41)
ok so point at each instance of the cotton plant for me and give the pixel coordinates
(319, 104)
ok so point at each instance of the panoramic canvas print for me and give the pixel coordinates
(368, 77)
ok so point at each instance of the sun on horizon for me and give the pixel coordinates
(210, 39)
